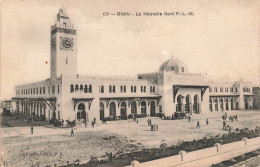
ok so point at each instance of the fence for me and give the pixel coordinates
(205, 157)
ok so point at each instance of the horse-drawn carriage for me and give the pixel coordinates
(180, 115)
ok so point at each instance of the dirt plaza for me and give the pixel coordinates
(48, 146)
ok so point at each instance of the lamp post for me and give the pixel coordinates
(2, 156)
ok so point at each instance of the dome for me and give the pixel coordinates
(174, 65)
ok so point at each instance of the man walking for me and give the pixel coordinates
(32, 129)
(198, 125)
(189, 118)
(207, 121)
(72, 132)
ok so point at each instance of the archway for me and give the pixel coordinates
(123, 111)
(210, 105)
(237, 105)
(152, 112)
(81, 114)
(179, 106)
(112, 110)
(143, 107)
(53, 115)
(246, 104)
(188, 104)
(221, 104)
(196, 106)
(216, 104)
(101, 111)
(227, 108)
(133, 108)
(232, 104)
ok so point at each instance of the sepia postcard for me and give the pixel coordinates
(130, 83)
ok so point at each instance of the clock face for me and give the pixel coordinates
(66, 43)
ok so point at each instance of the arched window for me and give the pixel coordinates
(86, 89)
(77, 87)
(90, 88)
(153, 89)
(81, 88)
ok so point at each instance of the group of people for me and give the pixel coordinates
(154, 127)
(231, 119)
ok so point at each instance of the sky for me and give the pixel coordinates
(220, 39)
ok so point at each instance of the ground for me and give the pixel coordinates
(55, 145)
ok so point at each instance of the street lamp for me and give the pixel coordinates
(2, 156)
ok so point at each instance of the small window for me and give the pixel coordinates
(110, 88)
(58, 88)
(182, 69)
(71, 88)
(77, 87)
(144, 89)
(132, 89)
(135, 89)
(90, 88)
(81, 87)
(67, 60)
(86, 89)
(125, 89)
(141, 88)
(102, 89)
(43, 90)
(114, 89)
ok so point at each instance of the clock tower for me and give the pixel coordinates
(63, 46)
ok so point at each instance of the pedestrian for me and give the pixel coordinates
(222, 110)
(62, 122)
(93, 124)
(156, 127)
(72, 132)
(148, 122)
(236, 118)
(198, 125)
(224, 125)
(136, 120)
(151, 127)
(189, 118)
(32, 129)
(207, 121)
(94, 120)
